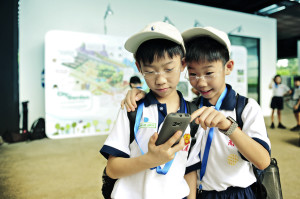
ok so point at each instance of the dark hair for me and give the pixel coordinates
(297, 78)
(207, 49)
(156, 49)
(275, 78)
(135, 80)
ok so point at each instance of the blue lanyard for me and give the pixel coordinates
(209, 137)
(138, 118)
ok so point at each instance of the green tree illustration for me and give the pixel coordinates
(88, 125)
(62, 129)
(57, 126)
(95, 123)
(108, 122)
(74, 126)
(68, 128)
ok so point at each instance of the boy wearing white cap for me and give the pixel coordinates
(143, 169)
(227, 153)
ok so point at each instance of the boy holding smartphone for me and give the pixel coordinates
(143, 169)
(227, 152)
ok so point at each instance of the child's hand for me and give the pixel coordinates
(210, 117)
(163, 153)
(131, 98)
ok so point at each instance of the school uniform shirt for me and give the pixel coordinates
(279, 90)
(226, 167)
(296, 94)
(147, 184)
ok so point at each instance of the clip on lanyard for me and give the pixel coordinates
(209, 137)
(138, 118)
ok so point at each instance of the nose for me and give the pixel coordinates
(201, 82)
(160, 78)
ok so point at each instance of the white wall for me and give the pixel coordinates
(37, 17)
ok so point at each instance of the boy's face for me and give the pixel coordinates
(162, 75)
(278, 80)
(211, 83)
(297, 83)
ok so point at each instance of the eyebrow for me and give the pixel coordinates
(149, 65)
(205, 67)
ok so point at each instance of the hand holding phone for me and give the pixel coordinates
(173, 122)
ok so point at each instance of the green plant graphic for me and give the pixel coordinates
(88, 126)
(67, 128)
(95, 124)
(57, 127)
(108, 122)
(74, 124)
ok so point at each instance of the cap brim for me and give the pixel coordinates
(133, 43)
(200, 32)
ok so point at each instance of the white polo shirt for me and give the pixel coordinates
(147, 184)
(225, 166)
(280, 90)
(296, 94)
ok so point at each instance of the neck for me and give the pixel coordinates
(213, 101)
(172, 101)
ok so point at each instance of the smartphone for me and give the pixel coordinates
(173, 122)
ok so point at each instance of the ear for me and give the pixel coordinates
(229, 67)
(183, 64)
(138, 66)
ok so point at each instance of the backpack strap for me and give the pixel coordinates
(131, 116)
(191, 107)
(241, 102)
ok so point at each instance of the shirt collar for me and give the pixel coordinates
(151, 99)
(228, 102)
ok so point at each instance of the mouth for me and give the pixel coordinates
(162, 90)
(205, 92)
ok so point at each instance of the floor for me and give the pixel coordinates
(71, 168)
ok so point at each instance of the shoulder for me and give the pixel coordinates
(252, 107)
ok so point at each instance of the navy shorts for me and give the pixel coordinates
(297, 110)
(229, 193)
(277, 103)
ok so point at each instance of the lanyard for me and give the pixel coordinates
(209, 137)
(138, 118)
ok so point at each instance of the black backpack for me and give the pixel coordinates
(37, 130)
(108, 183)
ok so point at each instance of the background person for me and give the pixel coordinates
(279, 90)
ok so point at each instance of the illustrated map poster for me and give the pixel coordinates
(86, 77)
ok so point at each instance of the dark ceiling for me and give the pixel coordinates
(288, 19)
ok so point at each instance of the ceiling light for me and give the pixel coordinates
(270, 9)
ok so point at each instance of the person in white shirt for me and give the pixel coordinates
(144, 170)
(279, 90)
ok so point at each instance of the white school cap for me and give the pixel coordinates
(155, 30)
(214, 33)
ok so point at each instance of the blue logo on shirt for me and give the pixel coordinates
(146, 119)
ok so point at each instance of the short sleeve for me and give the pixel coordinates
(117, 142)
(254, 124)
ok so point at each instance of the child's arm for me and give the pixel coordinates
(118, 167)
(131, 98)
(249, 148)
(271, 84)
(191, 179)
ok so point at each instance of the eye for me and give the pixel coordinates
(169, 70)
(192, 75)
(209, 73)
(149, 72)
